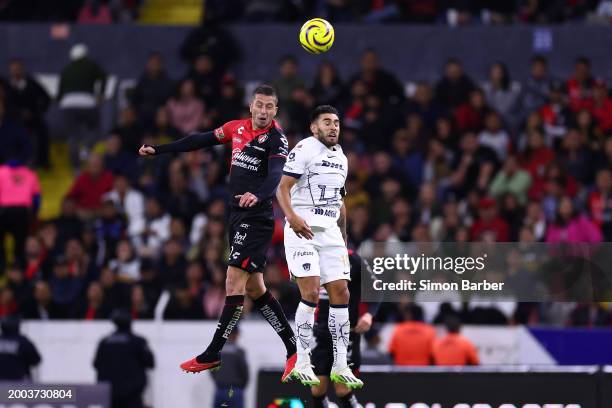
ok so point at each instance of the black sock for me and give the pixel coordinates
(272, 311)
(320, 402)
(349, 401)
(229, 317)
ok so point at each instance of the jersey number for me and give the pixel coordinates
(334, 197)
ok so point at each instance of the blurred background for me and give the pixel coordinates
(463, 121)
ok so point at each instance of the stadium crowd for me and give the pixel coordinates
(456, 160)
(451, 12)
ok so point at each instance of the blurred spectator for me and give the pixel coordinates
(66, 285)
(140, 307)
(378, 81)
(502, 93)
(94, 306)
(43, 306)
(186, 111)
(495, 136)
(511, 179)
(371, 354)
(489, 222)
(19, 204)
(230, 103)
(602, 106)
(206, 78)
(412, 341)
(119, 160)
(233, 377)
(535, 89)
(29, 102)
(109, 228)
(600, 203)
(16, 143)
(454, 349)
(153, 89)
(287, 82)
(116, 292)
(473, 166)
(81, 89)
(555, 114)
(328, 88)
(126, 265)
(129, 130)
(469, 116)
(182, 306)
(454, 88)
(95, 12)
(155, 230)
(572, 226)
(589, 315)
(576, 157)
(17, 353)
(122, 359)
(580, 86)
(90, 186)
(129, 201)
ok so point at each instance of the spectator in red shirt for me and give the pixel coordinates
(602, 106)
(90, 186)
(470, 115)
(555, 114)
(489, 221)
(536, 155)
(580, 86)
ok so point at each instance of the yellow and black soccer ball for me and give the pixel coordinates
(317, 36)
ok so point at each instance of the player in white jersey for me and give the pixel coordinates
(310, 193)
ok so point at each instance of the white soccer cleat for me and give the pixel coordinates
(345, 376)
(304, 374)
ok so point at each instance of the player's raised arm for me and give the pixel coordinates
(297, 223)
(194, 141)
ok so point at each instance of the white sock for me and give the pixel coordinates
(304, 321)
(339, 327)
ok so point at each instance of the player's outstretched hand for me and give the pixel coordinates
(146, 150)
(247, 199)
(364, 323)
(299, 226)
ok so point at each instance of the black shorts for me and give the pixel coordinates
(323, 354)
(249, 238)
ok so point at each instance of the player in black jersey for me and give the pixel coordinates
(322, 355)
(259, 151)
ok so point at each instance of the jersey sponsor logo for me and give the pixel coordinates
(299, 254)
(325, 163)
(242, 159)
(239, 238)
(306, 267)
(291, 157)
(262, 138)
(324, 212)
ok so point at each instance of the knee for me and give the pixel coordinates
(234, 283)
(340, 295)
(311, 295)
(255, 290)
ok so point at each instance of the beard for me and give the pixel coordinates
(321, 136)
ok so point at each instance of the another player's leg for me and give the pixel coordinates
(339, 328)
(234, 287)
(346, 397)
(318, 392)
(304, 323)
(272, 311)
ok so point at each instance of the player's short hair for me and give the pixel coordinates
(322, 109)
(265, 90)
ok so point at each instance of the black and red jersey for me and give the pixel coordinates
(251, 151)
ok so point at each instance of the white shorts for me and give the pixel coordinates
(325, 255)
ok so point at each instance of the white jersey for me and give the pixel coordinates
(321, 173)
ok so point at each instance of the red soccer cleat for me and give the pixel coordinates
(192, 366)
(289, 366)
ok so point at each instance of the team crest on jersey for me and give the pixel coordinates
(306, 267)
(262, 138)
(219, 133)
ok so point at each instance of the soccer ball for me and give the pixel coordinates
(317, 36)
